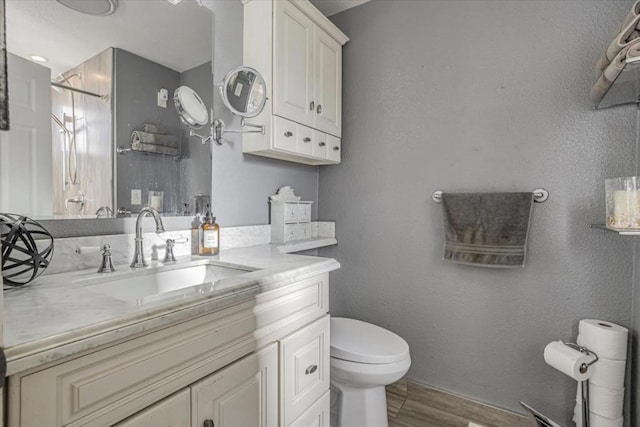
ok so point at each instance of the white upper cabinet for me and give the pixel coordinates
(327, 84)
(299, 53)
(293, 80)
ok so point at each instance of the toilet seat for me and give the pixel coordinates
(357, 341)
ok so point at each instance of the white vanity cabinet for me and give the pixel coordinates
(263, 361)
(299, 53)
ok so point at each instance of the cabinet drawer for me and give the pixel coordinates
(318, 415)
(291, 232)
(304, 212)
(305, 139)
(333, 148)
(284, 134)
(174, 411)
(304, 368)
(291, 212)
(319, 144)
(304, 231)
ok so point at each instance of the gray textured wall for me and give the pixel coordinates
(242, 183)
(478, 96)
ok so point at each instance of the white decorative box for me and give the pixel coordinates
(290, 217)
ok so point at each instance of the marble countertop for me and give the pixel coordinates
(62, 314)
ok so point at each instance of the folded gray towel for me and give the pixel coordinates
(139, 137)
(486, 229)
(151, 128)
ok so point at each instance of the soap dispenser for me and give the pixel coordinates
(209, 236)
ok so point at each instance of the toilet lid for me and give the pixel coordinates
(357, 341)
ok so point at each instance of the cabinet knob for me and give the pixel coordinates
(336, 148)
(319, 109)
(208, 423)
(306, 139)
(311, 369)
(288, 134)
(321, 144)
(312, 105)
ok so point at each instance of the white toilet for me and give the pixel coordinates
(364, 359)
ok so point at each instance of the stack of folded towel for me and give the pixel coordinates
(624, 47)
(154, 139)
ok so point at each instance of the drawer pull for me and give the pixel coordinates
(336, 148)
(208, 423)
(311, 369)
(321, 144)
(306, 139)
(288, 134)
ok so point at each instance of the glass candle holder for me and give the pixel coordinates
(156, 200)
(623, 202)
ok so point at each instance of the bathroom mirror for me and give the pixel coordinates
(244, 92)
(110, 76)
(190, 107)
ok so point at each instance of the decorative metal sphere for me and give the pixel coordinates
(27, 248)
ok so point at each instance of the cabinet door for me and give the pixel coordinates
(304, 369)
(318, 415)
(174, 411)
(293, 67)
(327, 83)
(243, 394)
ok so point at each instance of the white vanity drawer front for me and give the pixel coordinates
(291, 212)
(333, 148)
(304, 368)
(284, 134)
(318, 415)
(104, 387)
(174, 411)
(304, 212)
(305, 139)
(319, 144)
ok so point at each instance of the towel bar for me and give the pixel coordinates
(540, 195)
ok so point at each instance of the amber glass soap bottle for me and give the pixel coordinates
(209, 236)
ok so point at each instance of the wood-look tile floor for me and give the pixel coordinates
(414, 405)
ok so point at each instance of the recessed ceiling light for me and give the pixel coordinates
(174, 2)
(38, 58)
(92, 7)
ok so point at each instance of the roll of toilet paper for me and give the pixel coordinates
(606, 339)
(567, 360)
(608, 373)
(596, 420)
(603, 401)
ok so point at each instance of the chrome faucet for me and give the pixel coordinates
(138, 256)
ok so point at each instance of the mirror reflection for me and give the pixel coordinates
(243, 92)
(94, 130)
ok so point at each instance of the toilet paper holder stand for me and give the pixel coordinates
(584, 384)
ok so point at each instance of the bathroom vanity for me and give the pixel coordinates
(248, 348)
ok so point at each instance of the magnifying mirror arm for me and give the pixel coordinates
(218, 129)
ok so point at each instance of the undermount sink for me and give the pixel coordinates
(153, 283)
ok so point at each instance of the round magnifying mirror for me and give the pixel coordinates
(191, 109)
(244, 91)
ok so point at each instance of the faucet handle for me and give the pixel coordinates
(107, 263)
(168, 256)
